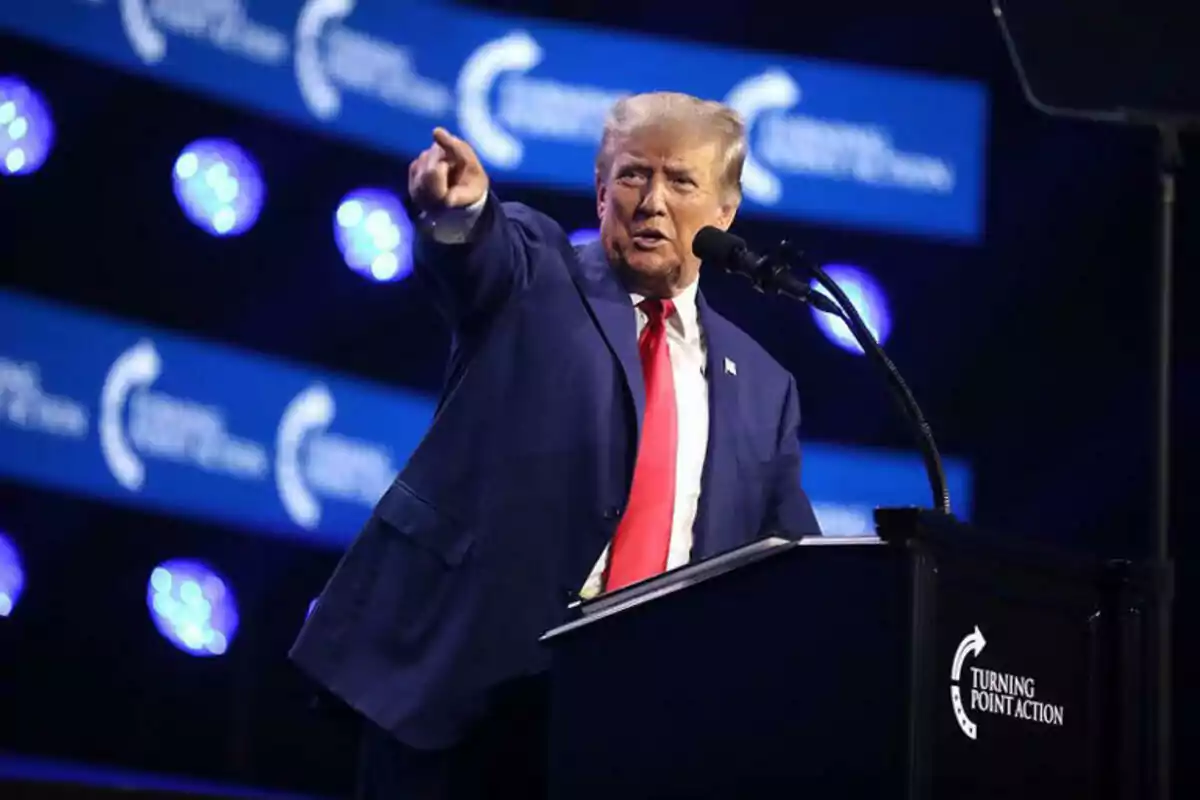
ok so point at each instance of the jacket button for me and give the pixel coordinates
(612, 513)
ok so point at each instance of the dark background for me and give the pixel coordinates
(1031, 354)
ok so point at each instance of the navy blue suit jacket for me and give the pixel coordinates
(500, 514)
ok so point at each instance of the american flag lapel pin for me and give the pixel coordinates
(730, 367)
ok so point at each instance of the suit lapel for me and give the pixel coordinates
(716, 483)
(616, 318)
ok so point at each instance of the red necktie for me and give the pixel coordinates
(640, 546)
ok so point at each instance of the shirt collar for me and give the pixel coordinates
(685, 319)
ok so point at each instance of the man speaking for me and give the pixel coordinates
(600, 424)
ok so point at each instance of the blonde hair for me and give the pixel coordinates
(707, 118)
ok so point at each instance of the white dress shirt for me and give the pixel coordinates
(686, 348)
(688, 353)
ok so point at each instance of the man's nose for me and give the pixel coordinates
(653, 198)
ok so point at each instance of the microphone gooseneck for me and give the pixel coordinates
(773, 273)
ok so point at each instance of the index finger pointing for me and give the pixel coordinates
(455, 148)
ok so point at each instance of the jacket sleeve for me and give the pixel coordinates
(473, 277)
(789, 512)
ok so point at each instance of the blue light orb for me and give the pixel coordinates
(584, 236)
(374, 234)
(218, 186)
(26, 128)
(12, 576)
(192, 607)
(866, 297)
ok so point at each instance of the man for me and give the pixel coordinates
(600, 424)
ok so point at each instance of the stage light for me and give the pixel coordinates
(12, 577)
(584, 236)
(218, 186)
(374, 234)
(866, 297)
(26, 129)
(192, 607)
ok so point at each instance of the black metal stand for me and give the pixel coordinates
(1170, 162)
(772, 273)
(900, 391)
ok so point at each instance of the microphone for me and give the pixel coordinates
(721, 247)
(773, 273)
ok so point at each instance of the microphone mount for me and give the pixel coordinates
(772, 273)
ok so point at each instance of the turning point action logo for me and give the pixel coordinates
(331, 57)
(498, 100)
(311, 461)
(786, 142)
(995, 692)
(138, 421)
(224, 24)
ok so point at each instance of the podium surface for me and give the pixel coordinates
(928, 662)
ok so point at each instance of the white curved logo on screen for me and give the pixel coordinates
(137, 367)
(310, 411)
(516, 52)
(773, 90)
(971, 645)
(320, 94)
(146, 39)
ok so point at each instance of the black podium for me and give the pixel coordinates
(931, 661)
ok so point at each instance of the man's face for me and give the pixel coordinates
(662, 187)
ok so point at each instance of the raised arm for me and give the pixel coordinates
(472, 250)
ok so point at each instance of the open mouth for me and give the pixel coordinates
(648, 238)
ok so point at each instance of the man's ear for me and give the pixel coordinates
(728, 213)
(601, 195)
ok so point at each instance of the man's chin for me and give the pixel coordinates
(651, 264)
(651, 273)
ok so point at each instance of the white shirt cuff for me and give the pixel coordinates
(454, 225)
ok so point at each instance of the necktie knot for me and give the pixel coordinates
(657, 310)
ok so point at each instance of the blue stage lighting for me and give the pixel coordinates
(26, 129)
(374, 234)
(192, 607)
(868, 299)
(12, 577)
(218, 186)
(584, 236)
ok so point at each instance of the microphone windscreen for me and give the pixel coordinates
(715, 245)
